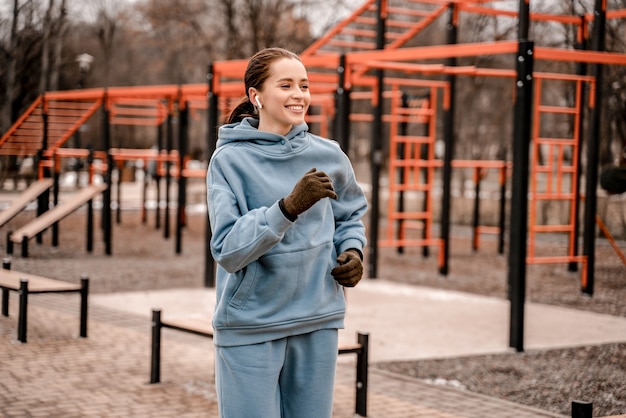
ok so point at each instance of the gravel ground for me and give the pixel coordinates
(546, 379)
(144, 259)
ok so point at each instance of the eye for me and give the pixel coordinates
(285, 86)
(304, 87)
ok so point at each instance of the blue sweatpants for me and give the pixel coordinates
(288, 378)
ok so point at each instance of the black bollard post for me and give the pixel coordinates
(582, 409)
(155, 366)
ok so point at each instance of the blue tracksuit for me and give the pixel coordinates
(273, 275)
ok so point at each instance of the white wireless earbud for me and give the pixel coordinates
(258, 102)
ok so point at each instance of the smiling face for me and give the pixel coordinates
(285, 96)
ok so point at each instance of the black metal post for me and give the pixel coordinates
(22, 319)
(106, 195)
(6, 265)
(55, 201)
(169, 139)
(519, 197)
(593, 150)
(182, 180)
(403, 131)
(5, 302)
(476, 214)
(155, 366)
(84, 296)
(342, 105)
(581, 69)
(582, 409)
(157, 177)
(427, 193)
(24, 246)
(502, 220)
(361, 375)
(119, 167)
(209, 263)
(90, 208)
(9, 243)
(376, 149)
(523, 23)
(144, 193)
(43, 200)
(448, 137)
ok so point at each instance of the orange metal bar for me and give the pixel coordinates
(117, 120)
(556, 260)
(590, 57)
(67, 153)
(434, 52)
(487, 11)
(83, 94)
(480, 164)
(611, 240)
(122, 154)
(137, 111)
(156, 92)
(353, 44)
(364, 33)
(616, 14)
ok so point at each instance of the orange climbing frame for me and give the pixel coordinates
(554, 171)
(410, 170)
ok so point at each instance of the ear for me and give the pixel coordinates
(254, 97)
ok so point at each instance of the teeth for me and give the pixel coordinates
(295, 107)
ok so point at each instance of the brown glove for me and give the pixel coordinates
(350, 269)
(313, 186)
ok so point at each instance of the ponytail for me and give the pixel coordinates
(242, 110)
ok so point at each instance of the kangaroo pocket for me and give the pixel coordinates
(286, 288)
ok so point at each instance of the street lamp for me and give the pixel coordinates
(84, 61)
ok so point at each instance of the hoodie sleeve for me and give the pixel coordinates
(349, 210)
(238, 239)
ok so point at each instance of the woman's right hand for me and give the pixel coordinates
(313, 186)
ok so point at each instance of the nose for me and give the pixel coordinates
(298, 93)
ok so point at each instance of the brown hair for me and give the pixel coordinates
(257, 72)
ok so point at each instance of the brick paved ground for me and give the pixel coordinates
(56, 374)
(59, 375)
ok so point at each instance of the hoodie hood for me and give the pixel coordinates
(247, 131)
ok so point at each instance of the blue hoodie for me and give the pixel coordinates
(273, 275)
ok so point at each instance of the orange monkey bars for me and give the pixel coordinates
(55, 116)
(404, 20)
(47, 124)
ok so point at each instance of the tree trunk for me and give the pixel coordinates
(44, 77)
(57, 47)
(6, 117)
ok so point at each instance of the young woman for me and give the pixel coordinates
(285, 213)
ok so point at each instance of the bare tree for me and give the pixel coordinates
(9, 53)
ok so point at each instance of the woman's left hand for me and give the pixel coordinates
(350, 269)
